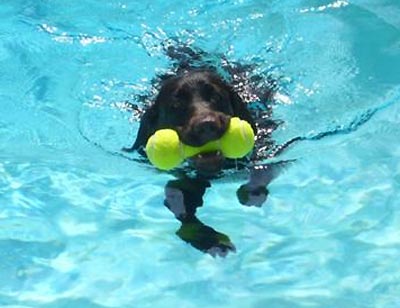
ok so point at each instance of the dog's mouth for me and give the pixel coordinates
(209, 163)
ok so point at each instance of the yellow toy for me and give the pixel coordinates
(166, 151)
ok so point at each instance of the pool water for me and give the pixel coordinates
(83, 226)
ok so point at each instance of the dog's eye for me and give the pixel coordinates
(207, 91)
(175, 105)
(216, 97)
(211, 94)
(216, 100)
(182, 95)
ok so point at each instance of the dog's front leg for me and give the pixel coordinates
(183, 197)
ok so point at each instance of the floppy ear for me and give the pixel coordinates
(240, 109)
(148, 126)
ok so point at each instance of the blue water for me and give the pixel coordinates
(80, 227)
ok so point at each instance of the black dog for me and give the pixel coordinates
(198, 103)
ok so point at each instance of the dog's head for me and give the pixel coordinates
(198, 105)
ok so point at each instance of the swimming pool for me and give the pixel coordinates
(80, 227)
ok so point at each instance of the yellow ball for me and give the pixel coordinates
(238, 141)
(164, 149)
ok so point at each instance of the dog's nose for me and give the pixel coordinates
(204, 128)
(208, 129)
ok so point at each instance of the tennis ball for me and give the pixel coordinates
(164, 149)
(238, 140)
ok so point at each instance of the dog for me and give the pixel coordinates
(198, 103)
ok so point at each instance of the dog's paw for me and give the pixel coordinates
(221, 250)
(252, 196)
(205, 238)
(222, 246)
